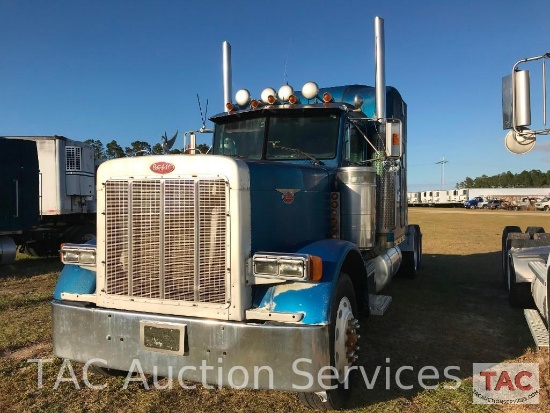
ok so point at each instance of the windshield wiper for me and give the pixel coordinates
(312, 158)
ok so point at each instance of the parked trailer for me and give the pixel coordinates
(436, 198)
(19, 192)
(414, 198)
(525, 255)
(265, 252)
(515, 198)
(57, 189)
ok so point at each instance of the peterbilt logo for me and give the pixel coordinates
(162, 167)
(288, 195)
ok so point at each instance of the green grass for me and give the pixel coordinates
(454, 314)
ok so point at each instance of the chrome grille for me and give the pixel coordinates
(167, 239)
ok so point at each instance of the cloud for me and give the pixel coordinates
(542, 147)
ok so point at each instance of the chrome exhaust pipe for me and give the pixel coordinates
(379, 68)
(226, 51)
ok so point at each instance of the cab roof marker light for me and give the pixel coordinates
(254, 104)
(242, 97)
(310, 90)
(268, 93)
(285, 92)
(292, 99)
(229, 106)
(327, 97)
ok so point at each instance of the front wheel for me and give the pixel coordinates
(343, 344)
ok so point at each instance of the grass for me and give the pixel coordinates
(454, 314)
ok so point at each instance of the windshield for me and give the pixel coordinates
(279, 136)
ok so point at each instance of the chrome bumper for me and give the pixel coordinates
(243, 355)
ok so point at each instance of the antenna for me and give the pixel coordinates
(203, 118)
(285, 80)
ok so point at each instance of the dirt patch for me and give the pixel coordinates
(34, 351)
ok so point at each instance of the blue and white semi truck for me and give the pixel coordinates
(525, 254)
(250, 266)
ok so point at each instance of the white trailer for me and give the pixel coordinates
(414, 198)
(458, 195)
(66, 185)
(67, 175)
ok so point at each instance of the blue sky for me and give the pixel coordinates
(129, 70)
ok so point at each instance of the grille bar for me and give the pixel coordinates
(167, 239)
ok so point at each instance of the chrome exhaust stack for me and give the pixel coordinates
(226, 51)
(379, 68)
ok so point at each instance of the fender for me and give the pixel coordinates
(311, 298)
(74, 279)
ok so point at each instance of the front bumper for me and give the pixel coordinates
(220, 353)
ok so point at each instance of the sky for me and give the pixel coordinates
(131, 70)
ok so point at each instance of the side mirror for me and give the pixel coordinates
(516, 100)
(394, 138)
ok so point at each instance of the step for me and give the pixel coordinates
(379, 304)
(537, 327)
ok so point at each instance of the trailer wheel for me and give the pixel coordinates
(39, 249)
(505, 247)
(343, 340)
(534, 230)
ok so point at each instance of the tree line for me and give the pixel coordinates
(526, 179)
(113, 150)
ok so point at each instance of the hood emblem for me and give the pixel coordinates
(162, 167)
(288, 195)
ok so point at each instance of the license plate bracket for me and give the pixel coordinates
(168, 338)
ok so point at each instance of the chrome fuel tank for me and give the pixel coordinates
(357, 186)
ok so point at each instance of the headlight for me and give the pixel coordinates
(298, 267)
(79, 254)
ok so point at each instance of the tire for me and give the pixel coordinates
(546, 207)
(343, 328)
(39, 249)
(534, 230)
(505, 247)
(472, 207)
